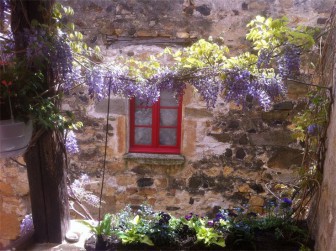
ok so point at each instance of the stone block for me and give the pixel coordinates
(221, 137)
(131, 190)
(117, 106)
(6, 189)
(135, 200)
(204, 9)
(121, 134)
(272, 138)
(244, 6)
(172, 208)
(228, 153)
(181, 34)
(286, 105)
(213, 172)
(284, 158)
(243, 140)
(109, 191)
(9, 225)
(145, 182)
(197, 112)
(244, 188)
(233, 124)
(189, 136)
(257, 201)
(258, 188)
(147, 191)
(275, 116)
(161, 183)
(296, 90)
(227, 171)
(125, 180)
(256, 209)
(240, 153)
(151, 201)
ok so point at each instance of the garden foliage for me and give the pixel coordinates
(146, 229)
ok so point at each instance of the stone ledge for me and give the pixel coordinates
(156, 159)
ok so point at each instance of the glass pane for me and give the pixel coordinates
(168, 136)
(143, 116)
(143, 136)
(168, 117)
(167, 99)
(142, 103)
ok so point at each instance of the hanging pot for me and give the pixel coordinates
(14, 137)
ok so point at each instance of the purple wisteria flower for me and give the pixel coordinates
(78, 189)
(264, 58)
(71, 144)
(27, 225)
(312, 129)
(289, 62)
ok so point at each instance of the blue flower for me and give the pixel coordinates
(287, 201)
(219, 216)
(312, 129)
(188, 216)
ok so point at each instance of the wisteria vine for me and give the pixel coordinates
(262, 78)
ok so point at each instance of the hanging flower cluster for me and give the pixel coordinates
(205, 66)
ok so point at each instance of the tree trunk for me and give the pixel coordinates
(45, 158)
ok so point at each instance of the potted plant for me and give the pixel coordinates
(102, 232)
(16, 127)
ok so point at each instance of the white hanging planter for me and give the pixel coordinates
(14, 137)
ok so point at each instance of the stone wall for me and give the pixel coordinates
(14, 200)
(228, 155)
(325, 231)
(323, 220)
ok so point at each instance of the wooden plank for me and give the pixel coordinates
(36, 194)
(48, 192)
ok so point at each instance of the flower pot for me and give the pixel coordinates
(14, 137)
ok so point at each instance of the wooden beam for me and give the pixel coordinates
(161, 41)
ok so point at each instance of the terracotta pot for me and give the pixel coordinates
(14, 137)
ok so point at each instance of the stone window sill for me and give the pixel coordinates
(156, 159)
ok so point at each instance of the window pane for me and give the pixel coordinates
(168, 117)
(143, 116)
(142, 103)
(143, 136)
(167, 99)
(168, 136)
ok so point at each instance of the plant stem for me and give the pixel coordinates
(10, 108)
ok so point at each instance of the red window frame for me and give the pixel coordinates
(155, 147)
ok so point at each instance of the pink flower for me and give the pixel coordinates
(5, 83)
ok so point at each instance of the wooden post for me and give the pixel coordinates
(48, 191)
(45, 158)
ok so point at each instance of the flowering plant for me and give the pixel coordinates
(18, 98)
(34, 78)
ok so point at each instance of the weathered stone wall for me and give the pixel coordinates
(229, 155)
(14, 200)
(325, 229)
